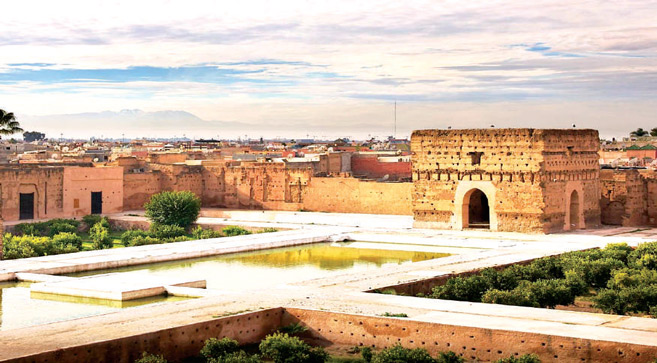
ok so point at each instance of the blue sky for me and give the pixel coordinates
(334, 67)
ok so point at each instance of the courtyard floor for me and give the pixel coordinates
(346, 293)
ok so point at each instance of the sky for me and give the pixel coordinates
(326, 68)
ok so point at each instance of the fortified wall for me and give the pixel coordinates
(629, 197)
(268, 186)
(521, 180)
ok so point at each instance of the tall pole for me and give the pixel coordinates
(394, 135)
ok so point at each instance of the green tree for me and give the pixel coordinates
(8, 123)
(639, 132)
(30, 136)
(173, 208)
(653, 131)
(100, 236)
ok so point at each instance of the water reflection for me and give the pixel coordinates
(235, 272)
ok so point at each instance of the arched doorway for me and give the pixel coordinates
(478, 210)
(574, 211)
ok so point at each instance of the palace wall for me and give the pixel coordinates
(527, 175)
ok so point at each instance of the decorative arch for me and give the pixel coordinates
(574, 210)
(475, 199)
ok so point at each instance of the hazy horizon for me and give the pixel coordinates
(298, 68)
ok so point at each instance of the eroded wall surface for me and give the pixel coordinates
(528, 177)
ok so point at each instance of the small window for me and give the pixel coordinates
(76, 203)
(476, 157)
(569, 150)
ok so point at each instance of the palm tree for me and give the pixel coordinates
(8, 123)
(639, 132)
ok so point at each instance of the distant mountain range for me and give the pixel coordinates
(136, 123)
(132, 123)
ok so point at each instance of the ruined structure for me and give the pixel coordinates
(522, 180)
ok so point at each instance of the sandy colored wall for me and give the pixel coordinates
(474, 343)
(175, 343)
(528, 177)
(45, 183)
(138, 189)
(348, 330)
(80, 182)
(350, 195)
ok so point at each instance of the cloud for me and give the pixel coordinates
(207, 59)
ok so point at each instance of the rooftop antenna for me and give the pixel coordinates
(394, 135)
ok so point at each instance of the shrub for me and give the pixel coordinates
(91, 219)
(164, 231)
(527, 358)
(609, 301)
(549, 293)
(32, 246)
(216, 348)
(173, 208)
(397, 353)
(61, 227)
(17, 247)
(238, 357)
(506, 279)
(470, 288)
(293, 329)
(513, 297)
(269, 230)
(129, 235)
(449, 357)
(282, 348)
(143, 241)
(617, 251)
(64, 240)
(100, 236)
(31, 229)
(234, 231)
(366, 353)
(151, 358)
(200, 233)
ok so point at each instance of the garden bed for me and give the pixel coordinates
(617, 279)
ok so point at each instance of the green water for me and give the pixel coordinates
(269, 268)
(234, 272)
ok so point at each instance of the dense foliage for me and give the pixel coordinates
(48, 228)
(621, 279)
(282, 348)
(231, 231)
(164, 231)
(32, 246)
(200, 233)
(177, 208)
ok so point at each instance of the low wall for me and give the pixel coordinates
(328, 328)
(474, 343)
(176, 343)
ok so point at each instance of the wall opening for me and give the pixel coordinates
(574, 210)
(96, 202)
(26, 206)
(478, 210)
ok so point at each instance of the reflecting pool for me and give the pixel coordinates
(233, 272)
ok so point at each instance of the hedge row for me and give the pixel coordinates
(283, 348)
(621, 280)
